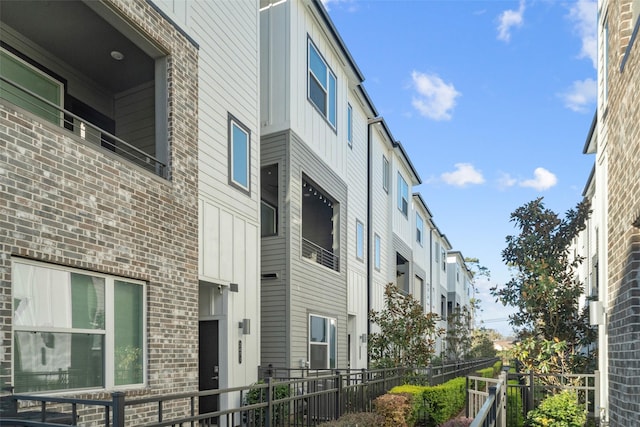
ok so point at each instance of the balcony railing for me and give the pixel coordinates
(320, 255)
(81, 127)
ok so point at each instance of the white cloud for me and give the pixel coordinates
(435, 99)
(508, 19)
(584, 14)
(581, 95)
(349, 5)
(464, 174)
(506, 181)
(543, 180)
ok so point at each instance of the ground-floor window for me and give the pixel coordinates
(322, 342)
(76, 329)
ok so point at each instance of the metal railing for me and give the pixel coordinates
(493, 412)
(320, 255)
(296, 398)
(82, 128)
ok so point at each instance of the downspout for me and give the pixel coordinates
(370, 123)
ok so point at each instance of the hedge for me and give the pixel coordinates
(559, 410)
(442, 401)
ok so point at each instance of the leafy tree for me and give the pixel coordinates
(544, 288)
(407, 335)
(482, 343)
(458, 336)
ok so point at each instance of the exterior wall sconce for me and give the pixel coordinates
(245, 325)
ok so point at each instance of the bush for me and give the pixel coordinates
(559, 410)
(259, 395)
(356, 419)
(446, 400)
(414, 393)
(395, 409)
(458, 422)
(497, 367)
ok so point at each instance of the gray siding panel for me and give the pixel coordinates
(273, 294)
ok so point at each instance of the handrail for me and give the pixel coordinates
(320, 255)
(105, 139)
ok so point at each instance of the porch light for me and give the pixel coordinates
(117, 55)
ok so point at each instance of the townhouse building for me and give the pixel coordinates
(133, 188)
(614, 139)
(99, 182)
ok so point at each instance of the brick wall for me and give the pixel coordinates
(623, 151)
(69, 203)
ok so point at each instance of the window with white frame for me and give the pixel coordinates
(403, 195)
(359, 240)
(385, 174)
(322, 342)
(322, 85)
(376, 251)
(443, 255)
(350, 125)
(437, 252)
(419, 228)
(74, 329)
(239, 155)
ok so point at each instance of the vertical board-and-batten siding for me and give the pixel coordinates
(274, 296)
(314, 288)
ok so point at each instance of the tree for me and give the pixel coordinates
(458, 337)
(554, 334)
(407, 334)
(482, 343)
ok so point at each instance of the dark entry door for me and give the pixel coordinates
(208, 364)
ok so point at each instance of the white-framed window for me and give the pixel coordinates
(321, 85)
(376, 252)
(359, 240)
(419, 228)
(443, 256)
(350, 125)
(239, 155)
(437, 252)
(403, 195)
(385, 174)
(74, 329)
(322, 342)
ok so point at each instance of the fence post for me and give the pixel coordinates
(466, 397)
(492, 398)
(363, 385)
(269, 408)
(530, 398)
(118, 408)
(503, 397)
(338, 387)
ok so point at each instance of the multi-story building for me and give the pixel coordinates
(615, 139)
(99, 182)
(132, 137)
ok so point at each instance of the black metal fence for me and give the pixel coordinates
(285, 398)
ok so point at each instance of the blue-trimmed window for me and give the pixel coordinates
(321, 85)
(350, 125)
(359, 240)
(403, 195)
(239, 155)
(419, 228)
(376, 251)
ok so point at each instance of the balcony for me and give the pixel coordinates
(320, 255)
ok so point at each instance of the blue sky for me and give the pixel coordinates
(492, 100)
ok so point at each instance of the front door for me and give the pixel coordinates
(208, 364)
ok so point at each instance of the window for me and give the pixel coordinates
(359, 240)
(419, 228)
(437, 252)
(443, 255)
(75, 329)
(350, 125)
(239, 152)
(269, 200)
(322, 342)
(376, 252)
(320, 226)
(402, 276)
(322, 85)
(385, 174)
(403, 195)
(418, 294)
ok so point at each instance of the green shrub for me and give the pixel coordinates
(485, 373)
(414, 392)
(559, 410)
(497, 367)
(446, 400)
(395, 409)
(356, 419)
(458, 422)
(259, 395)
